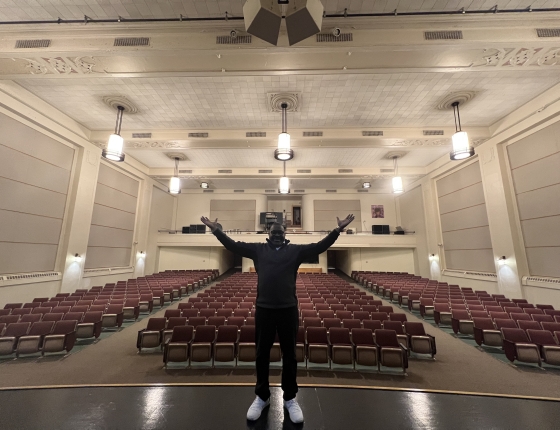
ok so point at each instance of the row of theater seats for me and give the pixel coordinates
(526, 332)
(327, 305)
(27, 328)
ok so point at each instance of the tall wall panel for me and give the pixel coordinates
(35, 175)
(535, 162)
(464, 221)
(234, 214)
(326, 212)
(112, 225)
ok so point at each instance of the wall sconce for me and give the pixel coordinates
(502, 260)
(77, 258)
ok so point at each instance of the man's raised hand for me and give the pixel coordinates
(343, 223)
(213, 225)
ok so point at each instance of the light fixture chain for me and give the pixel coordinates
(120, 111)
(284, 119)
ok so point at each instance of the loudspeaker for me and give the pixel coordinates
(377, 229)
(385, 229)
(201, 228)
(192, 228)
(186, 229)
(262, 19)
(303, 19)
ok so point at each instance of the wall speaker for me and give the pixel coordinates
(186, 229)
(262, 19)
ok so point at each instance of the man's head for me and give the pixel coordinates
(277, 234)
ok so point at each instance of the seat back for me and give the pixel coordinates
(316, 335)
(247, 334)
(459, 314)
(541, 337)
(542, 318)
(90, 317)
(551, 326)
(113, 309)
(227, 334)
(505, 323)
(521, 317)
(386, 309)
(380, 316)
(372, 325)
(32, 318)
(204, 333)
(515, 335)
(329, 323)
(312, 322)
(529, 325)
(172, 313)
(197, 322)
(175, 321)
(53, 317)
(216, 321)
(65, 327)
(61, 309)
(397, 317)
(479, 314)
(393, 325)
(362, 336)
(339, 336)
(182, 333)
(415, 328)
(236, 321)
(386, 338)
(351, 323)
(41, 328)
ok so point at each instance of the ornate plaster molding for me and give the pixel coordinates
(60, 65)
(518, 57)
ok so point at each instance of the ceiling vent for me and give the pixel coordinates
(330, 191)
(304, 170)
(255, 134)
(443, 35)
(141, 135)
(387, 170)
(299, 191)
(432, 132)
(329, 37)
(224, 171)
(372, 133)
(363, 191)
(265, 171)
(545, 32)
(132, 41)
(36, 43)
(198, 134)
(270, 191)
(238, 191)
(185, 171)
(312, 133)
(207, 191)
(345, 171)
(229, 40)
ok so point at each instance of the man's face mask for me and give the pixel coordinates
(277, 236)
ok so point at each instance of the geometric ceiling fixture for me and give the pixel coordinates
(284, 152)
(461, 146)
(461, 97)
(263, 19)
(292, 100)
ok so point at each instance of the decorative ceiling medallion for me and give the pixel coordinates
(175, 155)
(292, 99)
(462, 97)
(115, 101)
(478, 142)
(395, 154)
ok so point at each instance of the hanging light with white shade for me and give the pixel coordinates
(461, 146)
(175, 182)
(284, 184)
(114, 150)
(284, 152)
(397, 180)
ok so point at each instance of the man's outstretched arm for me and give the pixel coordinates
(242, 248)
(326, 243)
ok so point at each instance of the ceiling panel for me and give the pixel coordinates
(261, 158)
(17, 10)
(346, 100)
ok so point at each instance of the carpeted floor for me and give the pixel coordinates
(114, 360)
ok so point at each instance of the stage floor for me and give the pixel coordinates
(225, 407)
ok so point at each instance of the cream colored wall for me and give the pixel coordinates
(247, 264)
(27, 292)
(379, 259)
(161, 217)
(412, 218)
(185, 258)
(191, 206)
(366, 201)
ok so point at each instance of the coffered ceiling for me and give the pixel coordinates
(389, 78)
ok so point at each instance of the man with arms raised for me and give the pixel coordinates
(276, 263)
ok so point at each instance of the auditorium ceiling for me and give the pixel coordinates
(206, 95)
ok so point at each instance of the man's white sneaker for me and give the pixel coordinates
(256, 408)
(296, 415)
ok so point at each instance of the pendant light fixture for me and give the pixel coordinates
(114, 150)
(461, 147)
(397, 180)
(284, 153)
(175, 182)
(284, 185)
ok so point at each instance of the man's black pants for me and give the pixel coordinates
(268, 322)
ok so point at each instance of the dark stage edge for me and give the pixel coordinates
(225, 407)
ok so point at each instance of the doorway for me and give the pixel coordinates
(296, 216)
